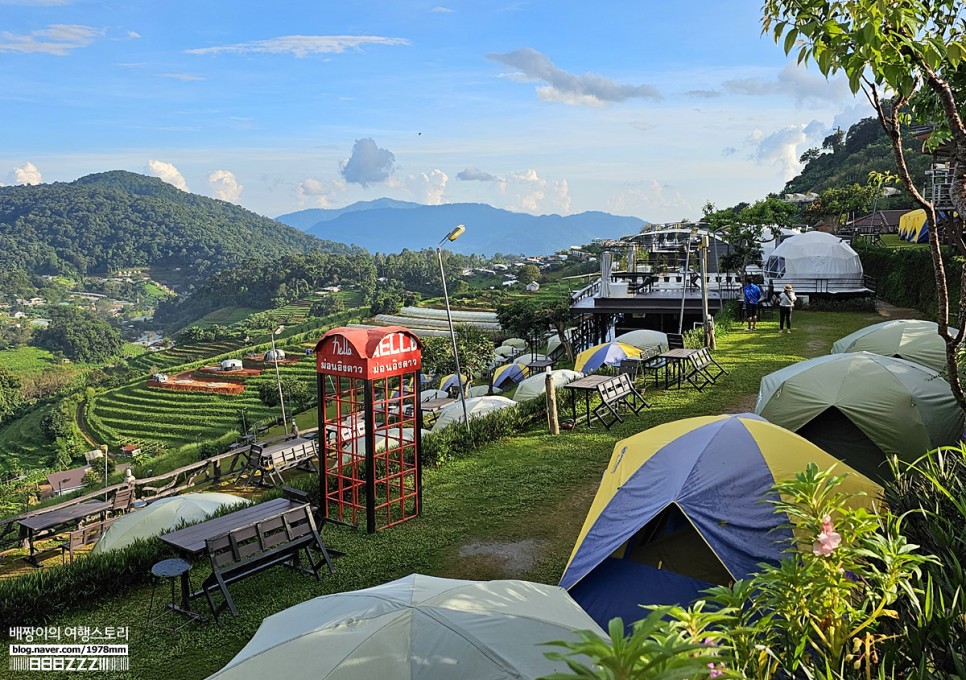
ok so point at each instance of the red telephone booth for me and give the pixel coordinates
(368, 383)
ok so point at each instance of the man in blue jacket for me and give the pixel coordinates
(752, 295)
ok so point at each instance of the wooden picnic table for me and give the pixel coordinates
(45, 523)
(539, 366)
(675, 360)
(434, 406)
(191, 540)
(588, 385)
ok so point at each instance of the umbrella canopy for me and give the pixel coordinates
(685, 497)
(509, 374)
(644, 339)
(536, 386)
(519, 343)
(450, 381)
(861, 407)
(911, 339)
(163, 515)
(609, 353)
(476, 407)
(415, 628)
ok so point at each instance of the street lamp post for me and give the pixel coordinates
(452, 236)
(278, 377)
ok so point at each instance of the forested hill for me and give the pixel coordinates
(117, 220)
(847, 157)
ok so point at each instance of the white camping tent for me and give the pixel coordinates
(815, 262)
(536, 386)
(476, 407)
(643, 339)
(416, 628)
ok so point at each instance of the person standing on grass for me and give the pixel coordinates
(752, 294)
(786, 301)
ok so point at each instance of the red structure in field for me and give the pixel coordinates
(368, 382)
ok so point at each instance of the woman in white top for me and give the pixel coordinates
(785, 303)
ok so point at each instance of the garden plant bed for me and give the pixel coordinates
(216, 372)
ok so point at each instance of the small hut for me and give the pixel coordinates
(231, 365)
(275, 354)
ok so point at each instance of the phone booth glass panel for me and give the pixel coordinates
(368, 425)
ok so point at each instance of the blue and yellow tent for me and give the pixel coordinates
(450, 380)
(609, 353)
(512, 373)
(679, 509)
(914, 227)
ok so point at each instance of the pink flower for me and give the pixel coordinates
(715, 670)
(827, 540)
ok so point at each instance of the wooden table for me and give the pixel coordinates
(539, 366)
(588, 386)
(191, 540)
(674, 363)
(45, 523)
(434, 406)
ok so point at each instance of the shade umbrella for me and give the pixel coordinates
(416, 628)
(609, 353)
(509, 374)
(450, 380)
(536, 386)
(476, 407)
(519, 343)
(911, 339)
(163, 515)
(644, 339)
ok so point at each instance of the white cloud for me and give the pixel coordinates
(586, 89)
(318, 192)
(780, 149)
(26, 174)
(368, 163)
(224, 185)
(439, 9)
(168, 173)
(301, 45)
(804, 87)
(427, 188)
(528, 192)
(184, 77)
(648, 196)
(56, 39)
(133, 35)
(472, 173)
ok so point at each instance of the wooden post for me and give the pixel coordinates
(552, 404)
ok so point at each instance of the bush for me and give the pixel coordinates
(456, 441)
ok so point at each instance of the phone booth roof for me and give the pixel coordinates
(368, 353)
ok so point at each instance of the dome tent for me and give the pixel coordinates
(679, 509)
(910, 339)
(536, 386)
(861, 407)
(608, 353)
(274, 354)
(815, 262)
(476, 407)
(644, 339)
(416, 628)
(508, 375)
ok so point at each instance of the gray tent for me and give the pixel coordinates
(861, 407)
(910, 339)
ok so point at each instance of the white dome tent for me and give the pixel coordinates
(476, 407)
(816, 262)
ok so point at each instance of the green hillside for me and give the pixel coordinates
(119, 220)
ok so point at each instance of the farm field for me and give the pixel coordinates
(22, 443)
(27, 359)
(225, 316)
(183, 354)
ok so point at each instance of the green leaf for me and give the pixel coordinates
(790, 39)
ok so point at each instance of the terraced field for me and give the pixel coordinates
(183, 354)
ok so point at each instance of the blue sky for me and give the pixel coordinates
(637, 108)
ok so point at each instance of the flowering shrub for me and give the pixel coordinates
(820, 613)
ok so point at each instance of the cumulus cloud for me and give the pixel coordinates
(473, 173)
(648, 195)
(57, 39)
(318, 192)
(528, 192)
(428, 188)
(167, 173)
(367, 163)
(589, 88)
(779, 149)
(793, 81)
(26, 174)
(301, 45)
(224, 185)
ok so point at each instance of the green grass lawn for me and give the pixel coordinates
(509, 510)
(27, 359)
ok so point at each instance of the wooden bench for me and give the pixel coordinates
(702, 369)
(85, 536)
(614, 394)
(249, 550)
(269, 462)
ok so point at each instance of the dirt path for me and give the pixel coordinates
(81, 420)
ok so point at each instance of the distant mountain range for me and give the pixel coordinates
(388, 226)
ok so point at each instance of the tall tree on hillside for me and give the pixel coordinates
(900, 54)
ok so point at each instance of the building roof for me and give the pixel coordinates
(67, 479)
(880, 218)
